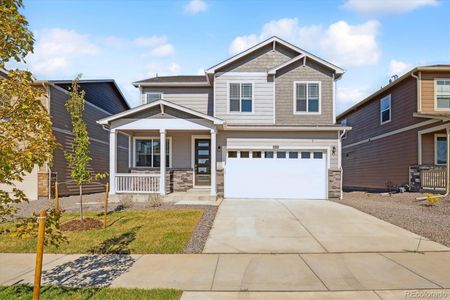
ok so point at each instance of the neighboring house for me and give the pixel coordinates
(260, 124)
(103, 99)
(399, 134)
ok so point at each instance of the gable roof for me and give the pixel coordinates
(275, 39)
(106, 121)
(65, 84)
(393, 84)
(178, 78)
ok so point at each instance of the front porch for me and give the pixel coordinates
(170, 150)
(430, 174)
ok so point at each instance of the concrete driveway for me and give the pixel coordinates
(306, 226)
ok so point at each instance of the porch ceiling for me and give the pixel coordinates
(162, 124)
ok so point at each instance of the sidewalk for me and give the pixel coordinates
(239, 272)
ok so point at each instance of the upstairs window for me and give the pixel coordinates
(385, 110)
(241, 97)
(152, 97)
(306, 97)
(442, 93)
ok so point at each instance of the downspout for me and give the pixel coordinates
(419, 91)
(447, 188)
(340, 164)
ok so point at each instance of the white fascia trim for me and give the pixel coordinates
(431, 116)
(268, 41)
(274, 70)
(171, 84)
(436, 128)
(106, 121)
(391, 133)
(285, 128)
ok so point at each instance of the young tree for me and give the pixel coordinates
(79, 156)
(26, 137)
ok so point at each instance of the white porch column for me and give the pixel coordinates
(112, 161)
(162, 167)
(213, 163)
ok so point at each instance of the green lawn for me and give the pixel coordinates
(20, 292)
(128, 232)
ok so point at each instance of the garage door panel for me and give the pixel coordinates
(275, 178)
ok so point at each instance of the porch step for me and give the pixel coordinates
(198, 191)
(190, 196)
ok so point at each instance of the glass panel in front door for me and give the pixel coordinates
(202, 171)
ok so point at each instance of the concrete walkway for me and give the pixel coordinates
(306, 226)
(238, 272)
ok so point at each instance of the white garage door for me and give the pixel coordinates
(281, 174)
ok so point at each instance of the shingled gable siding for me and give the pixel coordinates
(284, 89)
(197, 98)
(261, 60)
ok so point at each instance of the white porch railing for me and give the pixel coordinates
(435, 178)
(137, 183)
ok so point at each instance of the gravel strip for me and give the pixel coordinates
(405, 211)
(94, 202)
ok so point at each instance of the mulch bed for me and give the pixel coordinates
(403, 210)
(78, 225)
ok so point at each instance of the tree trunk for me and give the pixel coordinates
(81, 202)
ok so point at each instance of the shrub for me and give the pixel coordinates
(153, 200)
(126, 201)
(432, 199)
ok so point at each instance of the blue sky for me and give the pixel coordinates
(132, 40)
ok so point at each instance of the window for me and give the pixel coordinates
(440, 150)
(385, 109)
(256, 154)
(293, 154)
(281, 154)
(152, 97)
(241, 97)
(232, 154)
(306, 155)
(443, 93)
(148, 153)
(245, 154)
(318, 155)
(268, 154)
(306, 97)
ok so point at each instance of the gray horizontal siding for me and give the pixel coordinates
(199, 99)
(263, 110)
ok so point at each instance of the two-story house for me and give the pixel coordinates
(260, 124)
(103, 99)
(399, 133)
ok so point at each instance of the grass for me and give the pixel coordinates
(128, 232)
(22, 291)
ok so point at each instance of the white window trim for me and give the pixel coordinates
(240, 90)
(150, 138)
(435, 148)
(435, 95)
(390, 110)
(149, 93)
(294, 98)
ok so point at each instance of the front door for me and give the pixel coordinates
(202, 162)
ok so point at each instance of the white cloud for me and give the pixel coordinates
(347, 96)
(386, 6)
(157, 45)
(397, 67)
(161, 69)
(195, 7)
(342, 43)
(163, 50)
(56, 49)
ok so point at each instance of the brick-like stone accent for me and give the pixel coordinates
(219, 182)
(334, 183)
(177, 180)
(180, 180)
(43, 184)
